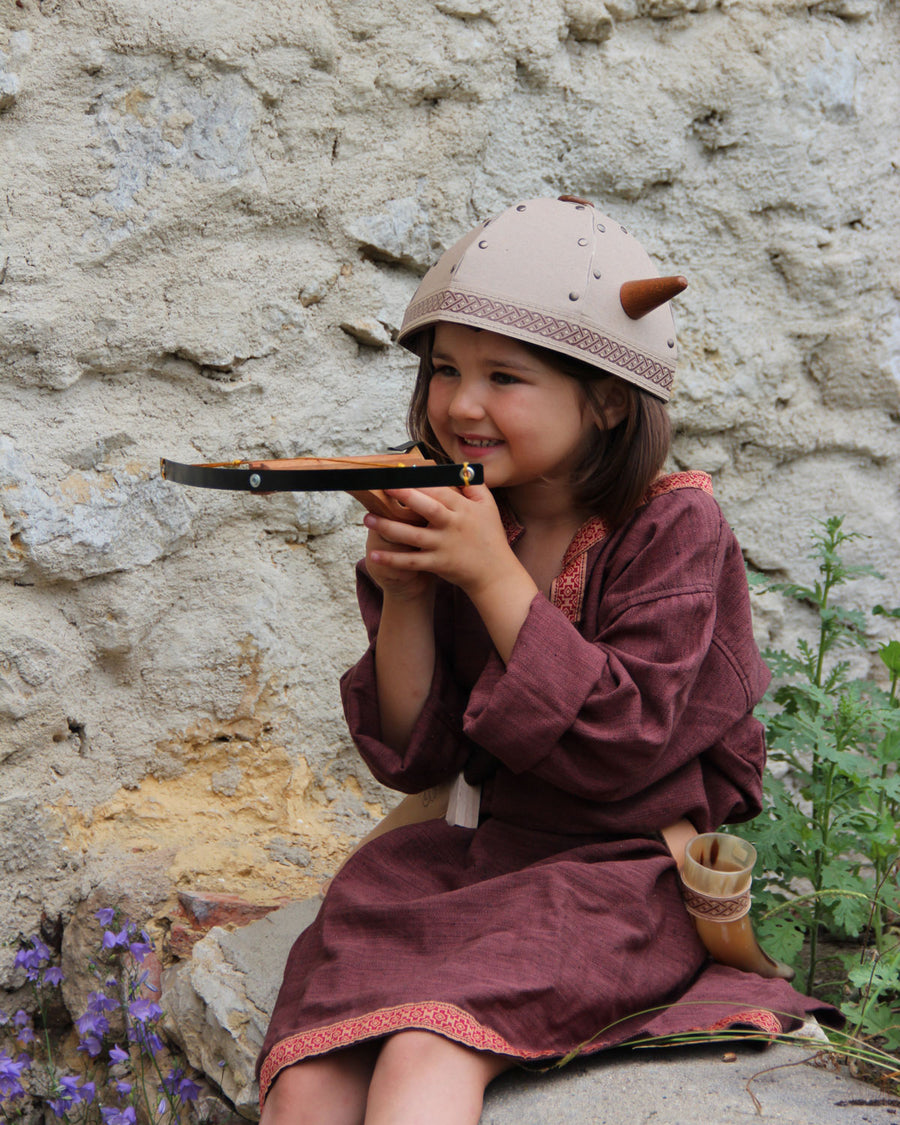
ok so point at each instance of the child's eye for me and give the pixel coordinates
(444, 371)
(504, 378)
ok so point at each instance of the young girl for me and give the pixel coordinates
(574, 637)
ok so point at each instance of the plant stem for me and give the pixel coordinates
(820, 809)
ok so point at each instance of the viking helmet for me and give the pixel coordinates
(557, 273)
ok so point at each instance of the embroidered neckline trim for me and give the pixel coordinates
(567, 590)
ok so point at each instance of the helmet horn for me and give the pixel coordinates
(640, 297)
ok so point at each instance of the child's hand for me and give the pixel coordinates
(401, 584)
(464, 543)
(463, 540)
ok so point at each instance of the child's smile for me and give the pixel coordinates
(492, 399)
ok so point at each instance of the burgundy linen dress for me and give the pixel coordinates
(625, 706)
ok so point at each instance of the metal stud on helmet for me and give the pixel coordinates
(557, 273)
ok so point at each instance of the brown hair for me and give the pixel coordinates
(620, 463)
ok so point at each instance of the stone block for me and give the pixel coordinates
(202, 911)
(400, 233)
(199, 200)
(218, 1003)
(368, 332)
(9, 90)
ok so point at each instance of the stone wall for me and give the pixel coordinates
(213, 214)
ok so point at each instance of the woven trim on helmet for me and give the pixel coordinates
(555, 330)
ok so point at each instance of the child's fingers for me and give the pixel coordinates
(429, 503)
(407, 562)
(435, 505)
(395, 533)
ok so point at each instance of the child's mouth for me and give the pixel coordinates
(476, 443)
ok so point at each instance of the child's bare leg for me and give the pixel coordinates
(421, 1076)
(331, 1090)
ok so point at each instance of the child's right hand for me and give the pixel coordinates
(402, 585)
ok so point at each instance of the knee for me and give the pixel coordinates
(283, 1095)
(422, 1053)
(412, 1050)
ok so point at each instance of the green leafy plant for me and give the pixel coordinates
(828, 838)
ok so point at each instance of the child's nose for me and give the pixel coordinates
(466, 402)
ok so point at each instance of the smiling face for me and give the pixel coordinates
(493, 400)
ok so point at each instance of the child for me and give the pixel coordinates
(573, 636)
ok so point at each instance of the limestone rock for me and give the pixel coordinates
(667, 9)
(847, 9)
(589, 20)
(10, 84)
(218, 1004)
(197, 196)
(469, 9)
(367, 331)
(401, 233)
(36, 863)
(9, 89)
(90, 523)
(134, 897)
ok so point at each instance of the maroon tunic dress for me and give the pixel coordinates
(557, 924)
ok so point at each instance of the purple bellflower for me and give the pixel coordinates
(10, 1070)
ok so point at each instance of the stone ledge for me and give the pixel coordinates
(218, 1003)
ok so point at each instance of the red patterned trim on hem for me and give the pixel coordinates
(453, 1023)
(757, 1017)
(430, 1015)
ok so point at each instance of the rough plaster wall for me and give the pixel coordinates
(213, 214)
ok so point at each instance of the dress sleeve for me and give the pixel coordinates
(438, 749)
(595, 715)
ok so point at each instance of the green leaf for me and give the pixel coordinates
(758, 582)
(833, 823)
(850, 914)
(781, 937)
(890, 654)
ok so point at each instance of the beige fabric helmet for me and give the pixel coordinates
(557, 273)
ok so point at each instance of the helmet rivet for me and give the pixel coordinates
(521, 207)
(255, 480)
(601, 228)
(623, 230)
(582, 242)
(597, 274)
(574, 296)
(671, 343)
(482, 245)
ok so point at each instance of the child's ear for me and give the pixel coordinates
(615, 400)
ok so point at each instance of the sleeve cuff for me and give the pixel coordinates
(520, 711)
(436, 750)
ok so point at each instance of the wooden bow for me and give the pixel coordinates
(364, 477)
